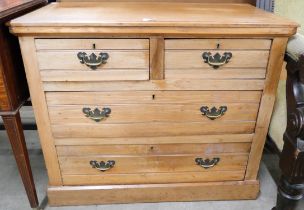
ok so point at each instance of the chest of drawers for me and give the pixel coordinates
(148, 102)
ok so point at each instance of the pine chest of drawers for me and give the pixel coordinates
(148, 102)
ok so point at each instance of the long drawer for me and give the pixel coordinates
(183, 114)
(153, 163)
(132, 113)
(93, 59)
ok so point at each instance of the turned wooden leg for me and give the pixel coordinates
(289, 195)
(14, 130)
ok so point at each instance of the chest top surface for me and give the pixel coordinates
(84, 14)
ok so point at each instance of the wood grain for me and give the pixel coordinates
(69, 114)
(157, 45)
(122, 59)
(146, 97)
(151, 129)
(81, 195)
(217, 44)
(210, 73)
(151, 164)
(193, 139)
(87, 44)
(15, 133)
(154, 85)
(153, 178)
(267, 103)
(185, 59)
(40, 109)
(253, 2)
(164, 14)
(153, 149)
(89, 75)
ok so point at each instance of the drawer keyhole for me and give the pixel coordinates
(218, 45)
(94, 46)
(153, 97)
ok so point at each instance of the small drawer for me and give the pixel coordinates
(153, 163)
(216, 58)
(193, 59)
(93, 60)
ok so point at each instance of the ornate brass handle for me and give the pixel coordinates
(93, 61)
(213, 113)
(102, 166)
(216, 60)
(207, 163)
(96, 114)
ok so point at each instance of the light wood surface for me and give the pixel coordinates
(127, 59)
(218, 44)
(72, 114)
(157, 45)
(155, 130)
(40, 109)
(87, 44)
(185, 59)
(93, 75)
(253, 2)
(210, 73)
(153, 178)
(152, 129)
(143, 32)
(267, 103)
(178, 84)
(157, 192)
(146, 97)
(151, 14)
(153, 149)
(193, 139)
(151, 164)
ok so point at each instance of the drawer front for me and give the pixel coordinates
(93, 60)
(132, 113)
(216, 58)
(153, 149)
(193, 59)
(153, 163)
(103, 130)
(152, 97)
(88, 44)
(218, 44)
(151, 115)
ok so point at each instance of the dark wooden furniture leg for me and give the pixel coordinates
(291, 186)
(15, 133)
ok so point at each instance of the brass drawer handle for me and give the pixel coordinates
(207, 163)
(96, 114)
(216, 60)
(213, 113)
(93, 61)
(102, 166)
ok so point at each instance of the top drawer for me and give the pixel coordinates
(89, 44)
(93, 59)
(216, 58)
(218, 44)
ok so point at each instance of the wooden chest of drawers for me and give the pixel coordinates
(153, 101)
